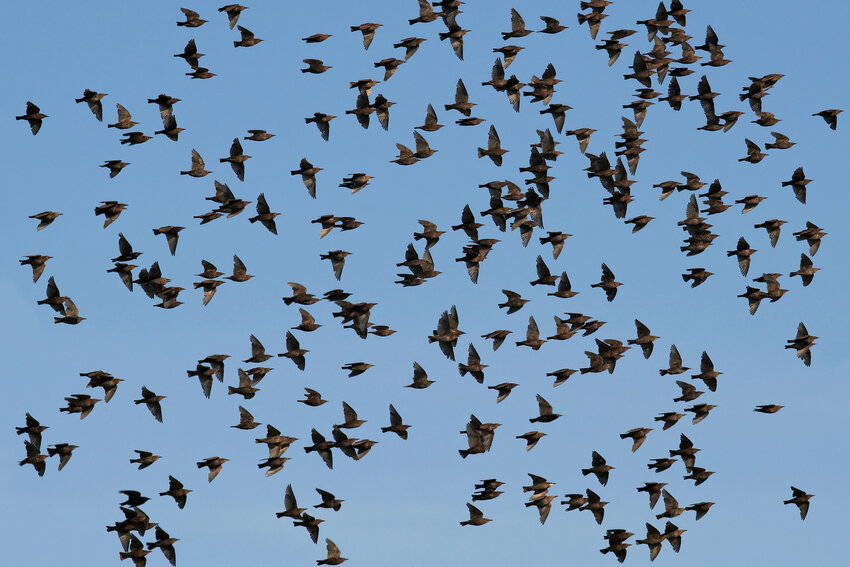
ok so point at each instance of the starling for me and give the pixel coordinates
(294, 352)
(64, 451)
(152, 401)
(801, 499)
(598, 468)
(145, 459)
(34, 116)
(308, 175)
(637, 435)
(214, 464)
(396, 425)
(248, 38)
(769, 408)
(176, 491)
(193, 19)
(607, 283)
(675, 363)
(830, 116)
(368, 30)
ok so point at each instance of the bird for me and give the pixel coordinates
(63, 450)
(145, 459)
(36, 261)
(396, 426)
(233, 11)
(247, 39)
(152, 401)
(532, 336)
(410, 44)
(193, 19)
(308, 175)
(798, 183)
(830, 116)
(494, 149)
(801, 500)
(707, 373)
(164, 543)
(356, 368)
(637, 435)
(315, 66)
(754, 153)
(240, 272)
(473, 365)
(545, 410)
(420, 378)
(197, 168)
(337, 258)
(33, 116)
(806, 271)
(801, 343)
(176, 491)
(671, 506)
(476, 517)
(246, 420)
(743, 253)
(599, 467)
(264, 214)
(368, 30)
(294, 352)
(607, 283)
(236, 159)
(214, 465)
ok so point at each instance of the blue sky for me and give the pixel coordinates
(404, 500)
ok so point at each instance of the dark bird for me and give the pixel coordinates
(176, 491)
(356, 368)
(396, 425)
(807, 270)
(637, 435)
(290, 504)
(447, 332)
(798, 183)
(476, 517)
(145, 459)
(310, 523)
(644, 339)
(773, 227)
(214, 464)
(34, 458)
(513, 303)
(801, 500)
(72, 314)
(240, 272)
(115, 166)
(743, 253)
(553, 26)
(701, 508)
(197, 168)
(696, 276)
(801, 343)
(368, 30)
(607, 283)
(781, 142)
(532, 336)
(754, 153)
(171, 236)
(671, 506)
(769, 408)
(264, 215)
(830, 116)
(517, 27)
(473, 365)
(322, 121)
(236, 159)
(410, 44)
(509, 53)
(461, 103)
(308, 175)
(36, 261)
(545, 410)
(246, 420)
(707, 373)
(430, 124)
(233, 11)
(152, 401)
(675, 363)
(92, 99)
(164, 543)
(598, 468)
(454, 34)
(315, 66)
(33, 429)
(134, 138)
(531, 438)
(503, 389)
(294, 352)
(700, 412)
(420, 378)
(193, 19)
(750, 202)
(653, 489)
(190, 54)
(63, 450)
(34, 116)
(337, 258)
(595, 505)
(248, 38)
(494, 149)
(125, 121)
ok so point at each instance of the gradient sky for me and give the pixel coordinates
(404, 500)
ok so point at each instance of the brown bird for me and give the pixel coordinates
(368, 30)
(807, 270)
(420, 378)
(830, 116)
(494, 149)
(754, 153)
(264, 214)
(152, 401)
(798, 183)
(294, 352)
(595, 505)
(644, 339)
(396, 425)
(92, 99)
(248, 38)
(545, 410)
(197, 168)
(802, 344)
(473, 365)
(461, 103)
(34, 116)
(773, 227)
(671, 506)
(214, 464)
(637, 435)
(653, 489)
(72, 314)
(801, 500)
(769, 408)
(240, 272)
(171, 235)
(707, 373)
(532, 336)
(193, 19)
(308, 175)
(700, 412)
(599, 467)
(246, 420)
(607, 283)
(447, 332)
(176, 491)
(36, 261)
(145, 459)
(675, 363)
(743, 253)
(476, 517)
(237, 159)
(233, 12)
(454, 35)
(34, 458)
(356, 368)
(701, 508)
(165, 544)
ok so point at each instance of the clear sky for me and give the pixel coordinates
(404, 500)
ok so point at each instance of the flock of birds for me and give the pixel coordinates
(509, 205)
